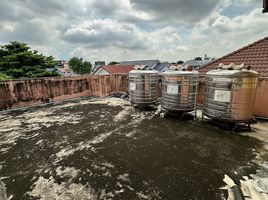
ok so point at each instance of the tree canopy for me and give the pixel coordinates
(17, 60)
(80, 66)
(180, 62)
(198, 58)
(113, 63)
(4, 77)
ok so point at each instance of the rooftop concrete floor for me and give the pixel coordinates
(106, 149)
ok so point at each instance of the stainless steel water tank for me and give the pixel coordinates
(179, 90)
(230, 94)
(143, 87)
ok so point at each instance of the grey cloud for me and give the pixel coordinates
(16, 10)
(135, 26)
(12, 10)
(182, 11)
(33, 21)
(106, 33)
(47, 7)
(114, 9)
(104, 7)
(32, 32)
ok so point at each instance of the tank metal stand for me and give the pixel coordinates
(182, 115)
(232, 126)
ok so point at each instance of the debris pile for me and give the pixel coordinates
(255, 187)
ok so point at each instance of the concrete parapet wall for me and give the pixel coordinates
(261, 101)
(16, 93)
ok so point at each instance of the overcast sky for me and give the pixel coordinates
(169, 30)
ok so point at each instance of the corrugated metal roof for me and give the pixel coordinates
(196, 63)
(255, 55)
(162, 66)
(150, 63)
(118, 69)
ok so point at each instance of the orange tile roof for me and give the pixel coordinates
(118, 69)
(255, 55)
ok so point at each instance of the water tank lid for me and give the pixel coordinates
(179, 72)
(225, 72)
(144, 72)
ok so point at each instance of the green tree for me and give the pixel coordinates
(180, 62)
(4, 77)
(198, 58)
(113, 63)
(80, 66)
(17, 60)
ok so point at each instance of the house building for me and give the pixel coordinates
(63, 68)
(196, 63)
(97, 64)
(149, 64)
(113, 69)
(255, 55)
(161, 67)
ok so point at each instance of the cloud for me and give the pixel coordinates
(110, 7)
(177, 11)
(219, 35)
(133, 29)
(31, 31)
(104, 33)
(253, 22)
(28, 9)
(159, 43)
(122, 10)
